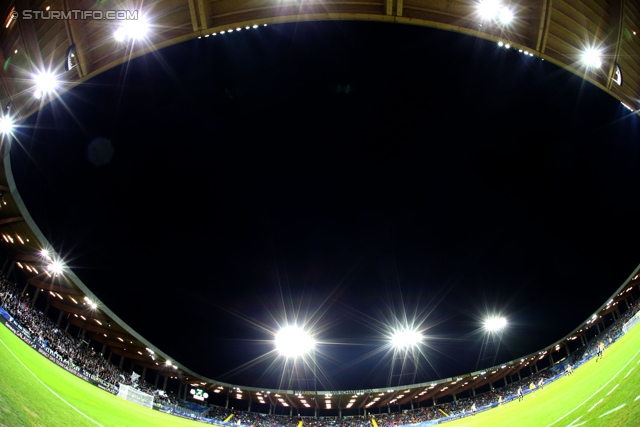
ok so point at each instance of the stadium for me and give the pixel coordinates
(63, 54)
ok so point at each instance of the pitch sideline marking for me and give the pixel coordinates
(595, 404)
(630, 370)
(611, 391)
(637, 397)
(47, 387)
(596, 392)
(613, 410)
(573, 423)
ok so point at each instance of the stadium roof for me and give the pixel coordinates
(75, 50)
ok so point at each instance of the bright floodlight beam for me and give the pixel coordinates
(293, 341)
(495, 324)
(406, 338)
(505, 15)
(592, 58)
(134, 29)
(46, 82)
(55, 267)
(489, 9)
(6, 125)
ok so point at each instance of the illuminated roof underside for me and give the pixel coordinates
(594, 39)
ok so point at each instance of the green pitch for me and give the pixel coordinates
(36, 392)
(597, 394)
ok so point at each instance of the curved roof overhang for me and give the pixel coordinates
(554, 31)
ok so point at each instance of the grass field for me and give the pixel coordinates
(36, 392)
(606, 393)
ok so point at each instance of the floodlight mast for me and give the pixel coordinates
(406, 339)
(404, 365)
(493, 326)
(293, 342)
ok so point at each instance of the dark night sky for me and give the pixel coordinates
(344, 174)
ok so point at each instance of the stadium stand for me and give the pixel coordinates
(74, 355)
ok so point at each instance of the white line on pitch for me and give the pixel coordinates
(613, 410)
(47, 387)
(637, 397)
(595, 404)
(611, 391)
(629, 372)
(573, 424)
(596, 392)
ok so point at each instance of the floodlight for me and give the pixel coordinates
(505, 15)
(495, 324)
(592, 58)
(406, 338)
(46, 83)
(6, 125)
(55, 267)
(292, 341)
(133, 29)
(489, 9)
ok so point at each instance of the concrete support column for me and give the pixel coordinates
(59, 322)
(104, 349)
(121, 362)
(164, 385)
